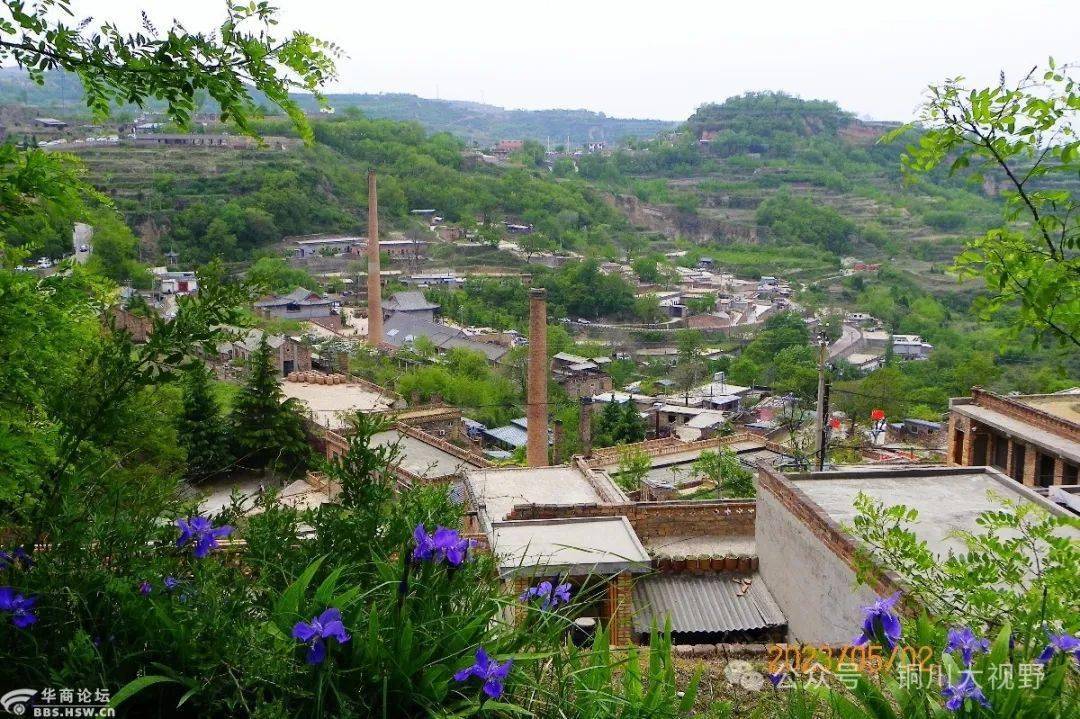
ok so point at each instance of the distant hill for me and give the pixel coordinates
(473, 121)
(487, 123)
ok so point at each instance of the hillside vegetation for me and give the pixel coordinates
(475, 122)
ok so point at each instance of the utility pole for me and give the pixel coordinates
(819, 426)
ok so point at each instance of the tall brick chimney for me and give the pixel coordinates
(585, 426)
(536, 394)
(374, 284)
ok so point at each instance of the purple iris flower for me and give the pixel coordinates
(18, 606)
(1061, 644)
(966, 688)
(200, 531)
(16, 557)
(315, 633)
(491, 673)
(145, 588)
(775, 679)
(442, 545)
(881, 624)
(965, 641)
(171, 582)
(550, 596)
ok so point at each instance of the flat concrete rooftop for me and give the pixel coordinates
(330, 404)
(702, 545)
(578, 546)
(500, 489)
(947, 499)
(1065, 406)
(419, 457)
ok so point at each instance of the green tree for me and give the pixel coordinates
(178, 66)
(647, 269)
(618, 423)
(631, 427)
(201, 428)
(1024, 134)
(648, 309)
(275, 274)
(267, 430)
(634, 466)
(725, 471)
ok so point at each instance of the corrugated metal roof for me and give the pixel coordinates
(704, 603)
(510, 434)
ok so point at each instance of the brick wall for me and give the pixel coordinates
(138, 326)
(672, 445)
(658, 519)
(462, 454)
(298, 353)
(1030, 415)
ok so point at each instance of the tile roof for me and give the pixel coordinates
(704, 603)
(403, 327)
(409, 301)
(299, 296)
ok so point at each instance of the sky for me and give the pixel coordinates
(663, 58)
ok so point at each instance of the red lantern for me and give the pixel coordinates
(877, 415)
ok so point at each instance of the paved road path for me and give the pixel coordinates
(847, 343)
(83, 235)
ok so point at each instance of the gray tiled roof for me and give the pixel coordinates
(704, 603)
(410, 301)
(299, 296)
(403, 327)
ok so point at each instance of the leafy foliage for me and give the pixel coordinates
(1018, 569)
(201, 429)
(171, 66)
(267, 430)
(724, 470)
(1025, 132)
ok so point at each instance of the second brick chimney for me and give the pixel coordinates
(536, 394)
(374, 280)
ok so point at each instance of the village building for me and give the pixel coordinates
(196, 140)
(809, 562)
(865, 363)
(672, 474)
(434, 279)
(319, 246)
(300, 304)
(287, 354)
(1034, 439)
(580, 376)
(639, 563)
(716, 395)
(174, 283)
(911, 347)
(404, 249)
(505, 148)
(409, 316)
(411, 303)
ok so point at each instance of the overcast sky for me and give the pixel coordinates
(660, 58)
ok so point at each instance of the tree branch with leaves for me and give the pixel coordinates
(1023, 135)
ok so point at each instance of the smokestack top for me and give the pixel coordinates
(539, 293)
